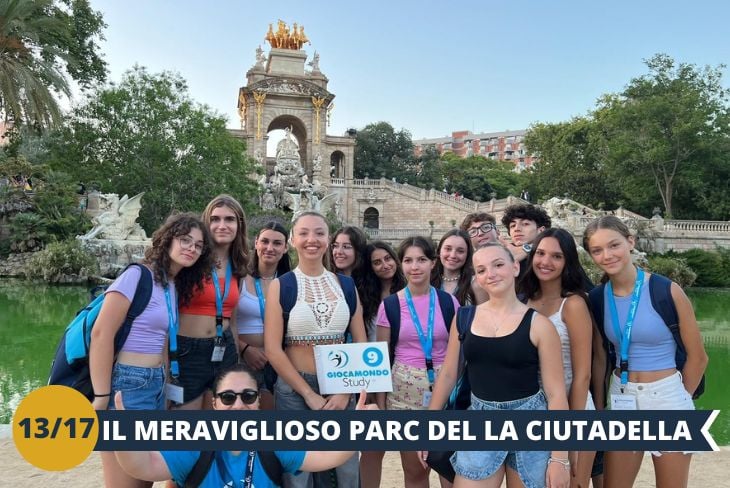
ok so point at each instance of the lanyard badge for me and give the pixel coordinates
(427, 340)
(219, 348)
(173, 391)
(625, 339)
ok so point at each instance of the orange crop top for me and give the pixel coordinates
(203, 301)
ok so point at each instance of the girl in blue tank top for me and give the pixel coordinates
(644, 347)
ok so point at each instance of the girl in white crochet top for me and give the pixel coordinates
(320, 316)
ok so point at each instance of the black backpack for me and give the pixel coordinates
(287, 300)
(660, 291)
(271, 464)
(392, 310)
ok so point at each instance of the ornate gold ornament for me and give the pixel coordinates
(283, 38)
(259, 98)
(318, 103)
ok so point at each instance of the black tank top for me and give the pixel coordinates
(505, 368)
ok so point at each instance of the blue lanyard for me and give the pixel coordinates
(625, 338)
(172, 318)
(260, 295)
(426, 342)
(228, 480)
(218, 300)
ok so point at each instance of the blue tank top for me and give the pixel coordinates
(652, 346)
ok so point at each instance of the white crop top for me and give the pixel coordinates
(320, 314)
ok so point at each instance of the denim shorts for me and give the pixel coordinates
(197, 371)
(142, 388)
(530, 465)
(347, 474)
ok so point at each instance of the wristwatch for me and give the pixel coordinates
(527, 248)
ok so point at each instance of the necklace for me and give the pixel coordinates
(455, 278)
(268, 278)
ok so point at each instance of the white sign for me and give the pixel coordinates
(349, 368)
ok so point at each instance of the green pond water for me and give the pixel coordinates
(32, 317)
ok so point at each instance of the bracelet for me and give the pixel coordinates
(244, 349)
(105, 395)
(564, 462)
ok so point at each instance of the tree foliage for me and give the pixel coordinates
(41, 42)
(480, 178)
(381, 151)
(664, 141)
(145, 134)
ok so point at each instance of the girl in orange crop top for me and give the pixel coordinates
(206, 344)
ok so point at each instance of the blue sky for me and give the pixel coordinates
(426, 66)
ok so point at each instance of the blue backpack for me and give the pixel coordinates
(460, 397)
(660, 291)
(70, 366)
(287, 300)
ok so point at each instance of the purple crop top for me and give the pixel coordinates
(149, 329)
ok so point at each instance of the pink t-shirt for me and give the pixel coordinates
(408, 350)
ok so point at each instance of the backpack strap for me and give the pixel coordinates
(464, 318)
(141, 299)
(348, 289)
(660, 290)
(200, 470)
(287, 297)
(459, 398)
(391, 305)
(272, 466)
(446, 303)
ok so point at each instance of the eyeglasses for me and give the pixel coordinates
(187, 242)
(248, 396)
(483, 228)
(343, 247)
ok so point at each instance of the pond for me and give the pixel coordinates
(33, 316)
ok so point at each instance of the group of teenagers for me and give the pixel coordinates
(228, 327)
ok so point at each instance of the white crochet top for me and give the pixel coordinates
(320, 314)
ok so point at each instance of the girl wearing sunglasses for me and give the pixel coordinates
(233, 389)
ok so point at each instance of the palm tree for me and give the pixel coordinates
(30, 80)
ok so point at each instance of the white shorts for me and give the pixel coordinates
(664, 394)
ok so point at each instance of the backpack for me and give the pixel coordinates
(271, 464)
(460, 397)
(287, 300)
(70, 366)
(392, 310)
(661, 299)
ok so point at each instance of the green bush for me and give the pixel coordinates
(60, 261)
(674, 268)
(592, 270)
(711, 267)
(27, 232)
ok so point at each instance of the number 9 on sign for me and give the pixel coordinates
(372, 356)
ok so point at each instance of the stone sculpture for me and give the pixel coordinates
(118, 219)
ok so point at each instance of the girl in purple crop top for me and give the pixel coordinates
(653, 382)
(179, 258)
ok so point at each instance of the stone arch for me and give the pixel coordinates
(371, 218)
(298, 130)
(337, 160)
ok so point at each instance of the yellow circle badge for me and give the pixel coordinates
(55, 428)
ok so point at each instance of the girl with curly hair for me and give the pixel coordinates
(179, 259)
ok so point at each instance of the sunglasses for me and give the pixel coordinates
(484, 228)
(248, 396)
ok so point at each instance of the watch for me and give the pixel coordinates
(527, 248)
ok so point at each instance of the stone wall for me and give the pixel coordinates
(14, 265)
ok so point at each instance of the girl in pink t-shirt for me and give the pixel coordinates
(421, 346)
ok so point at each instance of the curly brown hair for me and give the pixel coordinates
(238, 252)
(158, 255)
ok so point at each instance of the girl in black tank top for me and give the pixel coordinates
(506, 347)
(512, 358)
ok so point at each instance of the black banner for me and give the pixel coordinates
(660, 430)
